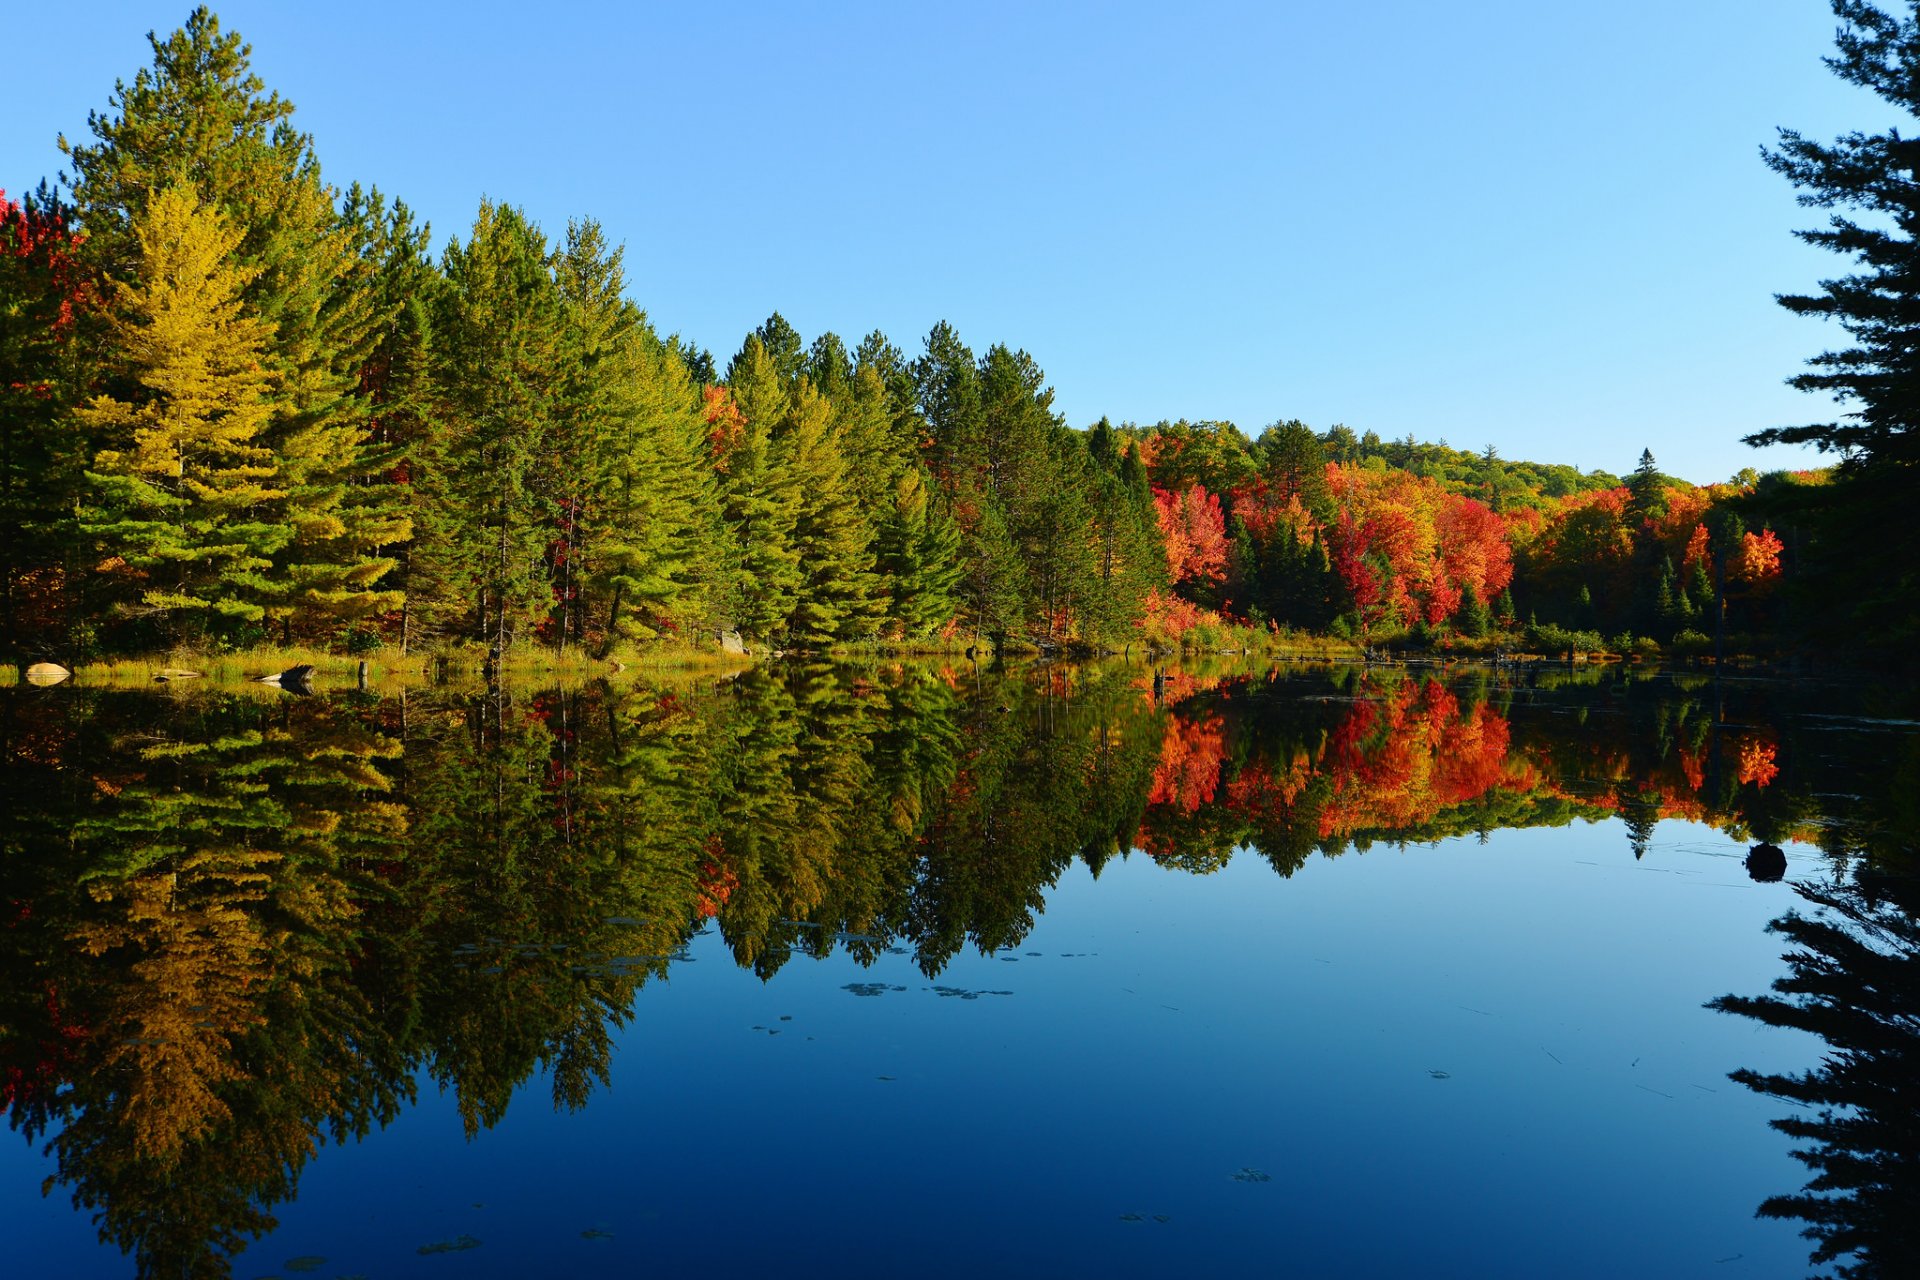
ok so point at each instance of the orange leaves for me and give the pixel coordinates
(1191, 753)
(1173, 617)
(726, 426)
(1697, 552)
(1758, 561)
(1756, 759)
(1196, 534)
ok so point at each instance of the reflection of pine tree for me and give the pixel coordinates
(225, 1032)
(1854, 982)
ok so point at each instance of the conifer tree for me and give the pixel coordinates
(483, 529)
(918, 546)
(1863, 566)
(1128, 561)
(199, 114)
(180, 490)
(662, 558)
(758, 501)
(831, 537)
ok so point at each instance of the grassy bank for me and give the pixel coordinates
(387, 667)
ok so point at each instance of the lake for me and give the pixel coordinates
(1051, 971)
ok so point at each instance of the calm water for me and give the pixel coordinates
(846, 971)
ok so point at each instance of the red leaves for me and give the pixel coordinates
(1195, 533)
(1405, 548)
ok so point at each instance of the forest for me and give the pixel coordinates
(242, 406)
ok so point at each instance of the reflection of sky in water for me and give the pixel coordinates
(1469, 1060)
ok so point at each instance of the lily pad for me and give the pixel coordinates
(459, 1244)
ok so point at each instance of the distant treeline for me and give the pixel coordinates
(239, 405)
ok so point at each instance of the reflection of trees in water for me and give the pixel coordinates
(1854, 981)
(239, 926)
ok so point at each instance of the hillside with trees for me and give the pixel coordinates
(243, 405)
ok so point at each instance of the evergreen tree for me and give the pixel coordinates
(663, 555)
(199, 115)
(1472, 616)
(758, 501)
(830, 367)
(1294, 465)
(830, 535)
(919, 558)
(1128, 561)
(177, 493)
(1864, 566)
(1059, 538)
(1646, 489)
(484, 527)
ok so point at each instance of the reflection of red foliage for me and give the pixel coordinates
(1400, 761)
(717, 880)
(20, 1084)
(1757, 757)
(1264, 796)
(1190, 755)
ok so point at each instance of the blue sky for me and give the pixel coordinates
(1544, 227)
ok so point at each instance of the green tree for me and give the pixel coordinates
(1864, 566)
(199, 115)
(1129, 562)
(758, 501)
(177, 491)
(499, 375)
(830, 535)
(918, 547)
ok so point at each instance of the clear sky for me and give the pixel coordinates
(1540, 226)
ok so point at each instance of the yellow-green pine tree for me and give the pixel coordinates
(179, 499)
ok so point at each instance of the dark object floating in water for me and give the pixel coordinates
(297, 679)
(961, 993)
(1441, 1075)
(1251, 1174)
(306, 1262)
(595, 1233)
(888, 1079)
(871, 988)
(1767, 863)
(458, 1244)
(1142, 1217)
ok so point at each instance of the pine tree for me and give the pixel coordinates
(1863, 569)
(483, 526)
(199, 114)
(830, 535)
(1646, 489)
(918, 549)
(1472, 615)
(1129, 562)
(758, 501)
(662, 559)
(177, 494)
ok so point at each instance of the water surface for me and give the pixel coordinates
(1053, 971)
